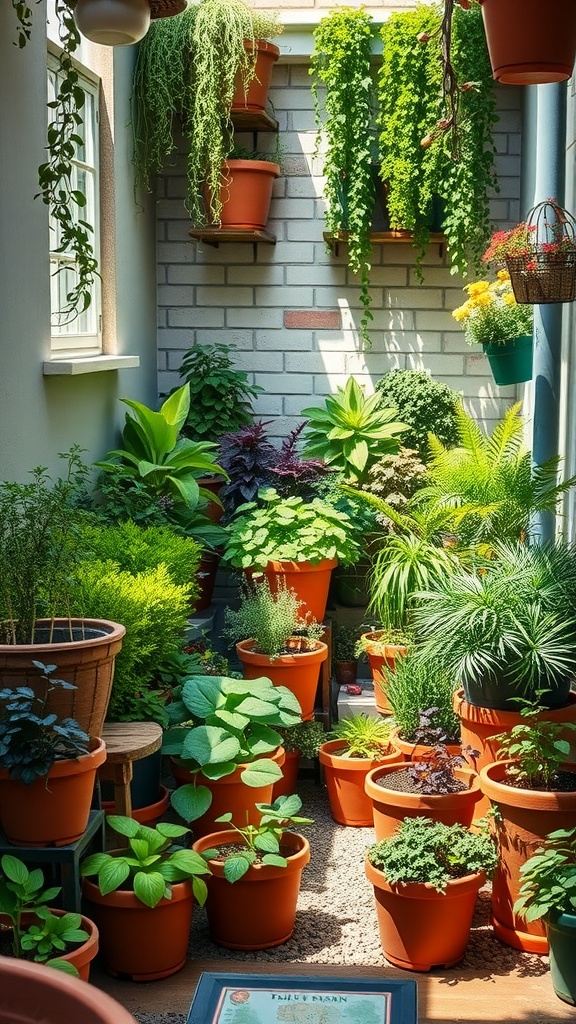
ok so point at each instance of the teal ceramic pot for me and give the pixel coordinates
(511, 363)
(561, 931)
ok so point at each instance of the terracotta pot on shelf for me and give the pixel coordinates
(246, 193)
(229, 794)
(298, 672)
(345, 778)
(524, 818)
(310, 581)
(87, 661)
(419, 751)
(258, 911)
(256, 98)
(391, 806)
(345, 672)
(421, 928)
(139, 942)
(28, 989)
(54, 809)
(530, 42)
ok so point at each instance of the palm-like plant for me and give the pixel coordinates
(490, 481)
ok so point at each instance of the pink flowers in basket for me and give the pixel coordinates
(548, 232)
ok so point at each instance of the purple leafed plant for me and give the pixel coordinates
(247, 456)
(293, 474)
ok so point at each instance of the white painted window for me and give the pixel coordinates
(81, 334)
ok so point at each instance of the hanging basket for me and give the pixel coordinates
(166, 8)
(545, 271)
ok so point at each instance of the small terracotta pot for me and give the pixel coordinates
(390, 806)
(421, 928)
(299, 673)
(139, 942)
(525, 818)
(380, 657)
(530, 42)
(256, 97)
(419, 751)
(345, 778)
(258, 911)
(229, 795)
(288, 784)
(310, 581)
(54, 809)
(31, 992)
(346, 672)
(247, 193)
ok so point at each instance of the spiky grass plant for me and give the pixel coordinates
(414, 687)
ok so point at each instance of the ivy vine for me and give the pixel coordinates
(341, 63)
(56, 174)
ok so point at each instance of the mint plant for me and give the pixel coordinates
(536, 747)
(549, 878)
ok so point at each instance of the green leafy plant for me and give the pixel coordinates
(185, 78)
(271, 621)
(136, 549)
(341, 65)
(426, 851)
(537, 747)
(351, 432)
(404, 566)
(38, 546)
(48, 934)
(426, 405)
(414, 687)
(395, 478)
(150, 865)
(305, 737)
(228, 722)
(377, 640)
(31, 739)
(288, 529)
(220, 395)
(344, 643)
(262, 842)
(549, 878)
(363, 736)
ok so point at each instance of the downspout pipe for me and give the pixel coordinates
(546, 109)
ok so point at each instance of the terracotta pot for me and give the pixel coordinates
(206, 577)
(54, 809)
(257, 911)
(83, 955)
(345, 778)
(421, 928)
(478, 726)
(288, 784)
(346, 672)
(229, 794)
(390, 806)
(525, 817)
(530, 42)
(298, 672)
(419, 751)
(310, 581)
(257, 96)
(148, 815)
(246, 193)
(381, 656)
(139, 942)
(31, 992)
(86, 662)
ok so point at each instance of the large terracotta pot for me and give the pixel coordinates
(419, 751)
(381, 656)
(524, 818)
(139, 942)
(258, 911)
(30, 993)
(390, 807)
(229, 795)
(83, 955)
(247, 193)
(421, 928)
(86, 661)
(299, 672)
(530, 42)
(345, 778)
(479, 725)
(310, 581)
(257, 96)
(54, 809)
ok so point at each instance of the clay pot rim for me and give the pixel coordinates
(113, 631)
(279, 565)
(263, 46)
(403, 799)
(481, 715)
(256, 872)
(258, 166)
(407, 747)
(543, 799)
(320, 653)
(31, 983)
(384, 650)
(69, 765)
(424, 890)
(328, 755)
(85, 952)
(126, 899)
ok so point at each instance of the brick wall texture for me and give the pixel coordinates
(291, 309)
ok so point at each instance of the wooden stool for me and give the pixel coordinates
(126, 742)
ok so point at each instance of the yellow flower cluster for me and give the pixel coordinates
(491, 312)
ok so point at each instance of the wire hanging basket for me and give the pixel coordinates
(543, 270)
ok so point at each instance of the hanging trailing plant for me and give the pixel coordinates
(346, 123)
(55, 176)
(418, 161)
(185, 79)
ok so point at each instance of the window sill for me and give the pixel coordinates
(87, 364)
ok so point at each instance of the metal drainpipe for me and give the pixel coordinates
(548, 107)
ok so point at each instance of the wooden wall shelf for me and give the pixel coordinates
(253, 120)
(336, 238)
(218, 236)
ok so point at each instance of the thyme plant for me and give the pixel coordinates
(341, 64)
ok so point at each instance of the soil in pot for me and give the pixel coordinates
(391, 805)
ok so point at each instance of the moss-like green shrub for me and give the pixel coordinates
(428, 407)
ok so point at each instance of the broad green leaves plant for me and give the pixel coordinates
(263, 841)
(538, 748)
(341, 67)
(351, 432)
(220, 395)
(426, 405)
(549, 878)
(150, 864)
(229, 722)
(288, 529)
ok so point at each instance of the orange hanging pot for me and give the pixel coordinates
(256, 97)
(345, 778)
(298, 672)
(246, 193)
(259, 910)
(530, 42)
(390, 806)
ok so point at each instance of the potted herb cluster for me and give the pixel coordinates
(421, 701)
